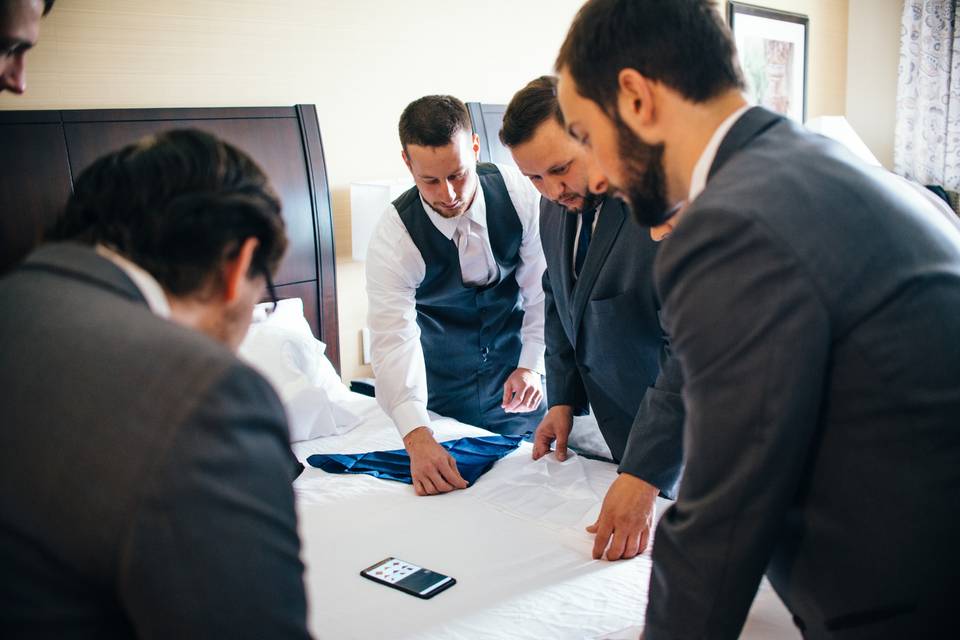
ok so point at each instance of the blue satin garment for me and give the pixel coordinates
(474, 458)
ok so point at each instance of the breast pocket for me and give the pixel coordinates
(608, 305)
(621, 338)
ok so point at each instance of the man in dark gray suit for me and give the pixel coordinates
(814, 305)
(145, 473)
(605, 347)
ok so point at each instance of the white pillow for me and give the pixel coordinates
(282, 347)
(289, 315)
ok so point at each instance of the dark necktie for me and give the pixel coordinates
(583, 244)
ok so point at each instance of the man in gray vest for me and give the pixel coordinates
(456, 304)
(605, 347)
(812, 302)
(19, 31)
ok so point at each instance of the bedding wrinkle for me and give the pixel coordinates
(514, 541)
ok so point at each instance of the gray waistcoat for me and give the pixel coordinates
(470, 336)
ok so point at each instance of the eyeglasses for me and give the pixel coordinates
(271, 292)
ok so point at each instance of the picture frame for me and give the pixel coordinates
(773, 50)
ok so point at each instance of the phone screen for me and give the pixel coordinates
(408, 577)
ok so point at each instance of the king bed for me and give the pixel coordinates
(514, 541)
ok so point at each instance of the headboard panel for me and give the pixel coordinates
(487, 121)
(43, 151)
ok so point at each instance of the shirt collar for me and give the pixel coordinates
(477, 213)
(698, 180)
(149, 287)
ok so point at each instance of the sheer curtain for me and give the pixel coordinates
(927, 137)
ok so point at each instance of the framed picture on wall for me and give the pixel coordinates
(773, 53)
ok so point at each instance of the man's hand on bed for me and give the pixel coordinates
(626, 518)
(522, 391)
(433, 469)
(555, 426)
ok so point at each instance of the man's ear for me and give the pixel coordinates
(237, 268)
(635, 101)
(406, 159)
(476, 146)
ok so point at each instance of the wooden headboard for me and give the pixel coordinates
(42, 152)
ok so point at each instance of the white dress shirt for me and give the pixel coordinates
(149, 287)
(701, 170)
(395, 269)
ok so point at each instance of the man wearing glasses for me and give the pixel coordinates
(145, 472)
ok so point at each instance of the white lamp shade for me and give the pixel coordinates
(838, 128)
(368, 201)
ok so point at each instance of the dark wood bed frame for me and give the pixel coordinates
(42, 152)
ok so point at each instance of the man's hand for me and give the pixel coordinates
(433, 469)
(627, 515)
(556, 425)
(661, 232)
(522, 392)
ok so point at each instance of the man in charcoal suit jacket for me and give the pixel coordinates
(813, 303)
(145, 472)
(605, 347)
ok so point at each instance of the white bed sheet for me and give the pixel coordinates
(515, 542)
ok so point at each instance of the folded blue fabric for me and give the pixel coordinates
(474, 458)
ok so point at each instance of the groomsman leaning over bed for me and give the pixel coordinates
(814, 305)
(145, 472)
(604, 345)
(19, 31)
(456, 304)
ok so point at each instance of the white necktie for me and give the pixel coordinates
(474, 262)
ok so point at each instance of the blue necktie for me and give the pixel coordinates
(474, 458)
(583, 244)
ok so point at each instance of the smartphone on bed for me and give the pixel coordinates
(408, 578)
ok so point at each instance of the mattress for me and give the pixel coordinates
(514, 541)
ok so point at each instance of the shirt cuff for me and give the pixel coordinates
(531, 357)
(410, 415)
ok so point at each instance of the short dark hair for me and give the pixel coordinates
(682, 43)
(177, 204)
(433, 121)
(528, 109)
(47, 5)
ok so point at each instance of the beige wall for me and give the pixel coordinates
(359, 61)
(827, 51)
(873, 55)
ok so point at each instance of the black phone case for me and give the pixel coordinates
(398, 587)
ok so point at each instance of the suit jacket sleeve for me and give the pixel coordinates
(564, 385)
(213, 549)
(752, 334)
(654, 451)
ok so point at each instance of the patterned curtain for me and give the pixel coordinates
(927, 137)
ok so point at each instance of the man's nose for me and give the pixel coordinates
(555, 189)
(448, 191)
(597, 181)
(14, 76)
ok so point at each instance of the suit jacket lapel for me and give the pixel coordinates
(752, 123)
(562, 280)
(612, 216)
(568, 232)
